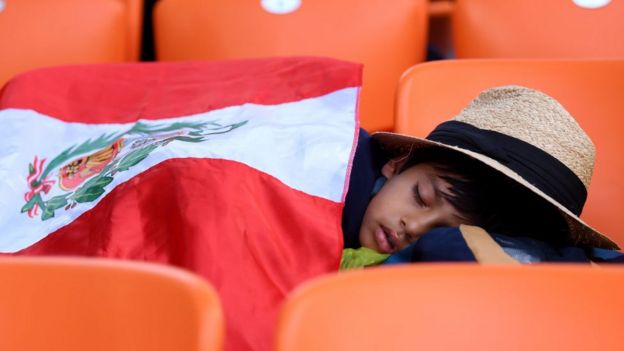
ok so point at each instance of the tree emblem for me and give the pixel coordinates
(85, 169)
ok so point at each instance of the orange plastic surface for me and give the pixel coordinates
(591, 90)
(537, 29)
(77, 304)
(441, 8)
(457, 307)
(387, 37)
(40, 33)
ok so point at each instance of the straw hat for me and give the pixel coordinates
(529, 137)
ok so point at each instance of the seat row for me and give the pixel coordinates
(386, 38)
(93, 304)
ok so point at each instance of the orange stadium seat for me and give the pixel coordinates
(590, 89)
(457, 307)
(77, 304)
(39, 33)
(387, 37)
(538, 28)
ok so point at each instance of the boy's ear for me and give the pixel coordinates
(392, 167)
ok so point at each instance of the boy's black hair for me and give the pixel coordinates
(491, 200)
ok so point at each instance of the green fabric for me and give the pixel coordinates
(360, 258)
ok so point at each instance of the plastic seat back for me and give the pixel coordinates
(39, 33)
(590, 89)
(457, 307)
(537, 28)
(386, 37)
(94, 304)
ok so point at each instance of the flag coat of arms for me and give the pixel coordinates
(235, 170)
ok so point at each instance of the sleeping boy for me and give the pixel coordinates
(514, 162)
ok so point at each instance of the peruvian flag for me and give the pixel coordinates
(234, 170)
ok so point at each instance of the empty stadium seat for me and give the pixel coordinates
(73, 304)
(590, 89)
(387, 37)
(39, 33)
(457, 307)
(538, 28)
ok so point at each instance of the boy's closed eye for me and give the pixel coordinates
(418, 195)
(426, 193)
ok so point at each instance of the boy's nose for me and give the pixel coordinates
(415, 225)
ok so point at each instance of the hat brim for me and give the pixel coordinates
(396, 144)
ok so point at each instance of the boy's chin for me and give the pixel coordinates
(369, 242)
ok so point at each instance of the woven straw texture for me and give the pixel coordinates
(537, 119)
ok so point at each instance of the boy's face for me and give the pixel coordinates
(406, 207)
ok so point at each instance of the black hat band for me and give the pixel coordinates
(536, 166)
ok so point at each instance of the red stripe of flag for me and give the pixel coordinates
(122, 93)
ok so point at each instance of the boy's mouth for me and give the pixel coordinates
(386, 239)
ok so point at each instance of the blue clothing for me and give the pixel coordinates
(448, 245)
(366, 169)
